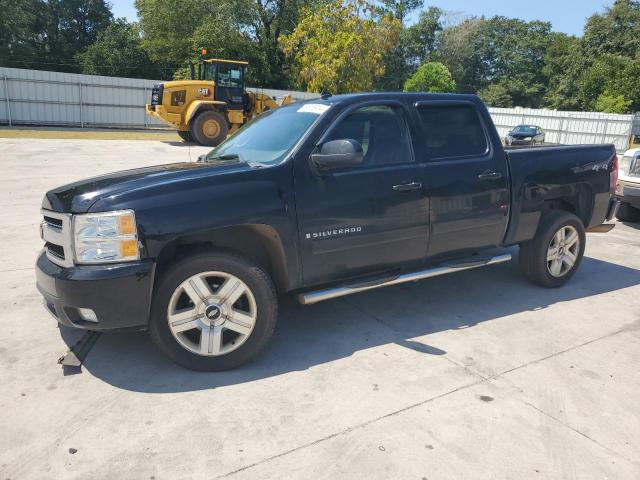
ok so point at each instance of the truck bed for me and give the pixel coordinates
(576, 176)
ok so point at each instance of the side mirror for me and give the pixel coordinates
(338, 154)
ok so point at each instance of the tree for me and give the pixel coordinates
(419, 40)
(563, 65)
(340, 46)
(615, 31)
(237, 29)
(612, 103)
(118, 52)
(167, 29)
(610, 76)
(17, 32)
(457, 48)
(69, 27)
(47, 34)
(414, 43)
(513, 52)
(497, 95)
(431, 77)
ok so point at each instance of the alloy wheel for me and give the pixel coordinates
(212, 313)
(563, 250)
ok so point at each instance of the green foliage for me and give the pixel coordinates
(340, 46)
(117, 52)
(17, 32)
(562, 69)
(614, 32)
(612, 103)
(344, 45)
(249, 30)
(47, 34)
(610, 76)
(458, 49)
(415, 43)
(497, 95)
(431, 77)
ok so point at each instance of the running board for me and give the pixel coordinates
(316, 296)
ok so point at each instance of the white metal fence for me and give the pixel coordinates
(36, 97)
(53, 98)
(568, 127)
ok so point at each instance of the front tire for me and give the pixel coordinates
(213, 311)
(184, 135)
(552, 257)
(209, 128)
(627, 213)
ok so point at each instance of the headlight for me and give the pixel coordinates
(527, 139)
(106, 237)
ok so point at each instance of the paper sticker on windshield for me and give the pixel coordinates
(316, 108)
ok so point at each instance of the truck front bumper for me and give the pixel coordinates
(119, 295)
(160, 112)
(629, 192)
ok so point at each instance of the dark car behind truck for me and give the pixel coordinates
(321, 199)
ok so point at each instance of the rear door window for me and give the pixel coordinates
(452, 131)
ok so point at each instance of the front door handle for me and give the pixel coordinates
(406, 187)
(489, 175)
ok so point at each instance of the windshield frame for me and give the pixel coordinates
(208, 157)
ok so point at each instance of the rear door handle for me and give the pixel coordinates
(406, 187)
(489, 175)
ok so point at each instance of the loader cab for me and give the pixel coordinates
(228, 78)
(634, 139)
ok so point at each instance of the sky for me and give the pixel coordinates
(566, 16)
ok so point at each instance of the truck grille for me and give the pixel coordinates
(55, 230)
(156, 94)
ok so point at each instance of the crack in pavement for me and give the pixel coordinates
(566, 425)
(350, 429)
(436, 397)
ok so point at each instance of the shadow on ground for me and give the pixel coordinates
(311, 335)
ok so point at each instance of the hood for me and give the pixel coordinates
(521, 134)
(78, 197)
(187, 83)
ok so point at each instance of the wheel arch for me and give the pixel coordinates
(258, 243)
(578, 201)
(198, 106)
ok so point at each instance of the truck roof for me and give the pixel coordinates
(416, 96)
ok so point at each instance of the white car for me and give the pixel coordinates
(628, 188)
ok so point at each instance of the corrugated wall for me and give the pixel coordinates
(53, 98)
(568, 127)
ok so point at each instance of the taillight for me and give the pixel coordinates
(614, 175)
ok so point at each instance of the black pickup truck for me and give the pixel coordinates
(321, 199)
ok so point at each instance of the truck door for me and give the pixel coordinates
(230, 84)
(368, 218)
(466, 176)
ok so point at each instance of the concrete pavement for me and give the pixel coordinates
(473, 375)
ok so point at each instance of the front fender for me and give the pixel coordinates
(197, 105)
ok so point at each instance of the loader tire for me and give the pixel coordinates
(209, 128)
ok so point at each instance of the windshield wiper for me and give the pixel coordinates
(226, 156)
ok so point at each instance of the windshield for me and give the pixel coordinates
(269, 137)
(524, 129)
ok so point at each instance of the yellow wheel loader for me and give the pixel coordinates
(210, 107)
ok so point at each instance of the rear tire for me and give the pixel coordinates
(213, 311)
(552, 257)
(627, 213)
(209, 128)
